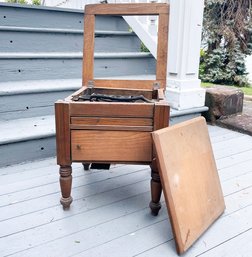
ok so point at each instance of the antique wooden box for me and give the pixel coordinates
(88, 131)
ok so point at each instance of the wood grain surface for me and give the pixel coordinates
(127, 9)
(127, 146)
(189, 178)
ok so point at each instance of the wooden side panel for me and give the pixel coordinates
(122, 146)
(111, 121)
(162, 47)
(189, 178)
(62, 119)
(127, 9)
(88, 53)
(102, 109)
(161, 116)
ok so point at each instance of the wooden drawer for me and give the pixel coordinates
(111, 146)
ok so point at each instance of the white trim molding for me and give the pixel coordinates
(183, 86)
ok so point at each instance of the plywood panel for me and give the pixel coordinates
(189, 178)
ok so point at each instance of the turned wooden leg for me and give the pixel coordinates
(156, 189)
(66, 185)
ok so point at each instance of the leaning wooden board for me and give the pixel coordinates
(189, 178)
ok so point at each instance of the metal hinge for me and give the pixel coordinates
(90, 84)
(156, 85)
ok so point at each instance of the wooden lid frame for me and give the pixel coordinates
(162, 10)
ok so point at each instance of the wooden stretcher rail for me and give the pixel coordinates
(102, 109)
(112, 127)
(111, 121)
(126, 9)
(128, 84)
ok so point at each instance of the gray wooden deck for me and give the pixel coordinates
(110, 215)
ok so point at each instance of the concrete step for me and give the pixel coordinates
(49, 17)
(29, 39)
(61, 65)
(34, 138)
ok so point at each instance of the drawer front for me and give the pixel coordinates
(114, 146)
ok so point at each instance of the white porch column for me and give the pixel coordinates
(183, 86)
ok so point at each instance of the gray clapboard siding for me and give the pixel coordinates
(39, 40)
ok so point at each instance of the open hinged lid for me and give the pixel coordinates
(189, 179)
(162, 10)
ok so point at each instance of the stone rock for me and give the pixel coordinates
(241, 123)
(222, 101)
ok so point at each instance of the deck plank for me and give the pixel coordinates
(84, 199)
(34, 188)
(110, 214)
(240, 245)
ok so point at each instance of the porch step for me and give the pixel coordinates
(49, 17)
(62, 65)
(26, 139)
(30, 39)
(31, 98)
(24, 99)
(50, 47)
(34, 138)
(177, 116)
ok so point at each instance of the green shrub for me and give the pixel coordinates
(227, 39)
